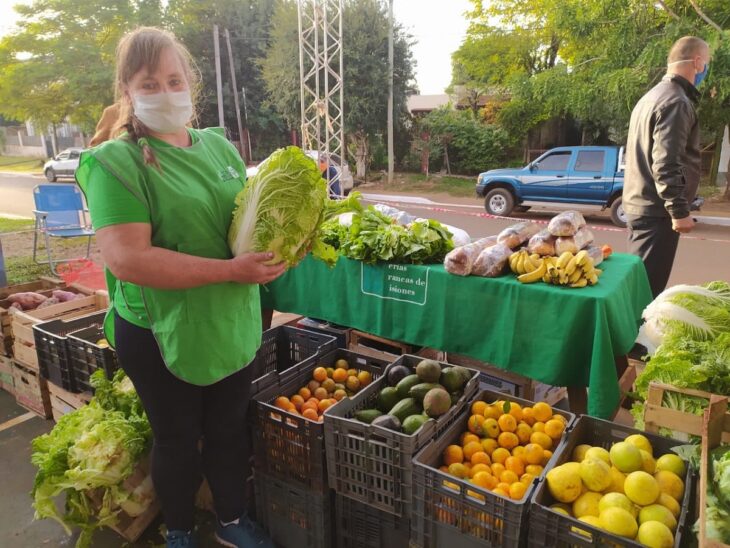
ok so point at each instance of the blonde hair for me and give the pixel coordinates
(686, 48)
(141, 49)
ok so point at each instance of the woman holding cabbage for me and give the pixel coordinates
(184, 315)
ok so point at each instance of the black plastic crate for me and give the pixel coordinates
(86, 356)
(293, 517)
(372, 464)
(52, 349)
(550, 529)
(289, 446)
(340, 332)
(284, 347)
(448, 511)
(358, 525)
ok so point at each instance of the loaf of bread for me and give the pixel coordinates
(542, 243)
(460, 261)
(516, 235)
(566, 224)
(492, 261)
(574, 243)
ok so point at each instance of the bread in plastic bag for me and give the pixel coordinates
(595, 253)
(492, 261)
(460, 261)
(516, 235)
(574, 243)
(542, 243)
(566, 224)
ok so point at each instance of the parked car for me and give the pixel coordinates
(587, 175)
(62, 165)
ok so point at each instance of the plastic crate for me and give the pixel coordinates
(284, 347)
(358, 525)
(550, 529)
(340, 332)
(50, 342)
(289, 446)
(372, 464)
(86, 356)
(293, 517)
(461, 514)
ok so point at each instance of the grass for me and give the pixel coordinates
(436, 184)
(707, 190)
(23, 269)
(15, 225)
(21, 164)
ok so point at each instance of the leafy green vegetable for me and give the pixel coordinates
(282, 207)
(95, 447)
(718, 495)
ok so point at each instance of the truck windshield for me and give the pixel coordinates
(590, 160)
(554, 162)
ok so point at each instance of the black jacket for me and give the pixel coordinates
(663, 151)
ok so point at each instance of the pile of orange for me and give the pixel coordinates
(505, 446)
(328, 386)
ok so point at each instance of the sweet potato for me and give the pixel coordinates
(28, 300)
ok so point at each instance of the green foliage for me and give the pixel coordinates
(472, 145)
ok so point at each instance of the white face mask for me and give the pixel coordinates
(164, 112)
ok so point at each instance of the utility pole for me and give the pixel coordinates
(218, 80)
(235, 94)
(245, 119)
(390, 92)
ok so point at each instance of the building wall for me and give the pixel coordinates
(724, 158)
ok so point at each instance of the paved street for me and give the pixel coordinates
(16, 194)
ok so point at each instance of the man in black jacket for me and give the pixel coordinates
(663, 161)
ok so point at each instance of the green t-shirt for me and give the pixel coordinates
(112, 203)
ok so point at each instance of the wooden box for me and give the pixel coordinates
(7, 382)
(378, 347)
(714, 427)
(31, 390)
(63, 401)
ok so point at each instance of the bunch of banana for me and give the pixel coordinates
(571, 270)
(529, 268)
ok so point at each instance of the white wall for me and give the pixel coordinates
(15, 150)
(724, 158)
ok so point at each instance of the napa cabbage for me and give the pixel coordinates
(282, 207)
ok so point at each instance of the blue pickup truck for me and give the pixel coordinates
(585, 175)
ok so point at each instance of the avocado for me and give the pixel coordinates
(453, 379)
(413, 423)
(436, 402)
(367, 415)
(397, 373)
(387, 398)
(428, 370)
(405, 408)
(420, 390)
(387, 421)
(405, 385)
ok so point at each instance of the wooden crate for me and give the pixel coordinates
(63, 401)
(7, 382)
(714, 427)
(377, 347)
(656, 416)
(31, 390)
(23, 322)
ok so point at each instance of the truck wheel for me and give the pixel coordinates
(618, 217)
(50, 175)
(499, 202)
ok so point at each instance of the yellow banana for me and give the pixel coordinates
(521, 264)
(571, 266)
(598, 271)
(547, 279)
(592, 279)
(535, 257)
(564, 259)
(576, 275)
(563, 277)
(533, 276)
(529, 265)
(580, 283)
(581, 257)
(588, 265)
(513, 261)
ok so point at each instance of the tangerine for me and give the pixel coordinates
(452, 454)
(475, 424)
(478, 408)
(528, 415)
(533, 453)
(489, 445)
(533, 469)
(339, 375)
(471, 448)
(523, 432)
(508, 440)
(507, 423)
(543, 412)
(538, 427)
(297, 400)
(305, 393)
(497, 469)
(492, 412)
(474, 470)
(321, 393)
(459, 470)
(515, 464)
(519, 451)
(282, 402)
(517, 490)
(325, 404)
(500, 455)
(339, 394)
(365, 378)
(515, 409)
(542, 439)
(319, 374)
(466, 437)
(480, 457)
(309, 413)
(554, 428)
(482, 479)
(546, 456)
(353, 383)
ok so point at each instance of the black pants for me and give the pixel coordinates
(180, 415)
(653, 239)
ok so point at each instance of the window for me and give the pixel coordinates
(74, 154)
(556, 161)
(63, 156)
(590, 160)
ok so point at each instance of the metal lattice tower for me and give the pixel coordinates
(320, 76)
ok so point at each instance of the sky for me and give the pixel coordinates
(438, 26)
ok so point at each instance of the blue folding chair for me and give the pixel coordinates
(59, 213)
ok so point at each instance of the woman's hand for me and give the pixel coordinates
(249, 268)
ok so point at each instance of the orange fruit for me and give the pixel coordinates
(504, 487)
(538, 427)
(282, 402)
(459, 470)
(507, 423)
(517, 490)
(533, 453)
(492, 412)
(542, 411)
(475, 469)
(508, 440)
(478, 408)
(330, 371)
(305, 393)
(482, 479)
(466, 437)
(444, 468)
(319, 374)
(497, 469)
(329, 385)
(324, 404)
(489, 445)
(297, 400)
(292, 408)
(533, 469)
(541, 438)
(321, 418)
(500, 455)
(452, 454)
(365, 378)
(515, 465)
(499, 491)
(527, 478)
(515, 409)
(352, 372)
(480, 457)
(518, 451)
(321, 393)
(339, 375)
(528, 415)
(353, 383)
(475, 424)
(310, 414)
(554, 428)
(523, 432)
(339, 394)
(546, 457)
(313, 385)
(471, 448)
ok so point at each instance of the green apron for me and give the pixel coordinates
(205, 333)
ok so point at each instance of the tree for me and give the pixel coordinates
(59, 64)
(365, 60)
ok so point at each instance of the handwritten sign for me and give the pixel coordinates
(397, 282)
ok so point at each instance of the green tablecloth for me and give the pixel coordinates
(556, 335)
